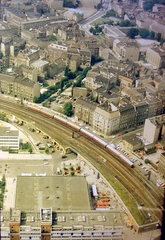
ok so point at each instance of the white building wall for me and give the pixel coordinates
(151, 131)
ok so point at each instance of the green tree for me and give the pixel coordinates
(66, 71)
(162, 41)
(144, 33)
(98, 6)
(147, 161)
(126, 23)
(148, 5)
(68, 109)
(52, 38)
(152, 35)
(158, 37)
(133, 32)
(1, 55)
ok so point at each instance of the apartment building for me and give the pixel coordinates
(57, 49)
(126, 50)
(74, 14)
(9, 139)
(41, 67)
(54, 4)
(153, 128)
(26, 57)
(85, 58)
(158, 27)
(141, 112)
(14, 16)
(30, 73)
(127, 116)
(105, 122)
(154, 106)
(156, 56)
(83, 111)
(70, 31)
(112, 33)
(104, 97)
(18, 87)
(94, 80)
(5, 47)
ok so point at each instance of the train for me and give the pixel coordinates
(110, 148)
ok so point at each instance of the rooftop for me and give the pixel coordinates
(60, 193)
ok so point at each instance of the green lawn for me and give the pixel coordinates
(100, 21)
(100, 37)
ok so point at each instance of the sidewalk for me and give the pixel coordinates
(132, 235)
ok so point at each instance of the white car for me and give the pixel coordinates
(46, 163)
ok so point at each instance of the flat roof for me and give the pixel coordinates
(57, 192)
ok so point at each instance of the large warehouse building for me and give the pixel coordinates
(57, 207)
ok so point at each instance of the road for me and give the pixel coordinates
(85, 24)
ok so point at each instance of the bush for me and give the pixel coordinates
(147, 161)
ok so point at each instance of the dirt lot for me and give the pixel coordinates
(87, 11)
(89, 3)
(88, 7)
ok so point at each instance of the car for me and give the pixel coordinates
(140, 164)
(45, 159)
(46, 163)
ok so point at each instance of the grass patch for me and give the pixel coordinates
(100, 21)
(100, 37)
(125, 197)
(26, 147)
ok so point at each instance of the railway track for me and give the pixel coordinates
(128, 178)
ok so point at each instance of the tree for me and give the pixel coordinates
(68, 109)
(152, 35)
(133, 32)
(148, 5)
(1, 55)
(144, 33)
(147, 161)
(158, 37)
(126, 23)
(52, 38)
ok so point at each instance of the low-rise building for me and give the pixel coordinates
(63, 213)
(9, 139)
(74, 14)
(132, 143)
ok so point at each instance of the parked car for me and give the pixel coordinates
(46, 163)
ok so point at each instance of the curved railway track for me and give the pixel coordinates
(129, 178)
